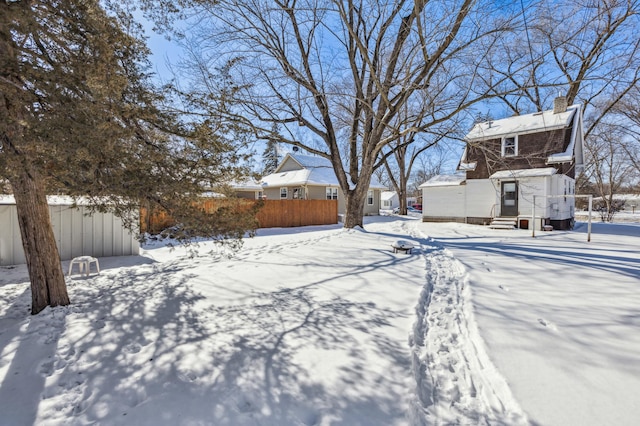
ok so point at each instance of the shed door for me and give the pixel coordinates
(509, 199)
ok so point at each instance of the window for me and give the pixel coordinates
(386, 203)
(332, 193)
(369, 198)
(296, 193)
(510, 195)
(283, 193)
(510, 146)
(259, 195)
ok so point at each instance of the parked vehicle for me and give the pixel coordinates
(410, 209)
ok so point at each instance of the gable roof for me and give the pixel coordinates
(313, 170)
(388, 195)
(308, 161)
(534, 123)
(522, 124)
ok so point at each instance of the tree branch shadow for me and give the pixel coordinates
(269, 380)
(140, 344)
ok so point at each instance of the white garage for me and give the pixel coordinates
(444, 198)
(77, 231)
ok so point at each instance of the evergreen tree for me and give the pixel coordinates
(270, 158)
(79, 116)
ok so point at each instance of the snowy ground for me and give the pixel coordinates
(559, 316)
(320, 325)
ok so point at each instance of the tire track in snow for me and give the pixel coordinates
(456, 382)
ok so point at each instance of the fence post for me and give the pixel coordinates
(589, 223)
(533, 217)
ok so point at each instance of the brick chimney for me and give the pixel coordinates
(559, 104)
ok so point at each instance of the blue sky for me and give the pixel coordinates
(167, 54)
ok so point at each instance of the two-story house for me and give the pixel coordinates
(505, 163)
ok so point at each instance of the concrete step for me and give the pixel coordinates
(503, 223)
(501, 226)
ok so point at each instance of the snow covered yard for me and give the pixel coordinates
(304, 326)
(560, 316)
(319, 325)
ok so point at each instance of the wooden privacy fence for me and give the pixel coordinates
(289, 213)
(273, 214)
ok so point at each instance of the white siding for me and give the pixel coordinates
(527, 188)
(76, 234)
(373, 209)
(288, 165)
(443, 201)
(482, 197)
(389, 200)
(551, 202)
(562, 207)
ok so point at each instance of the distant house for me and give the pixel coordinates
(623, 202)
(307, 177)
(505, 163)
(389, 200)
(77, 231)
(249, 189)
(631, 202)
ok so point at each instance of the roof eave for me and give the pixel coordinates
(573, 109)
(524, 132)
(464, 167)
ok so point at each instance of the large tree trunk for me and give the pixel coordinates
(354, 208)
(48, 287)
(402, 200)
(402, 191)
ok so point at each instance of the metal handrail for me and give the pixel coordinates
(492, 214)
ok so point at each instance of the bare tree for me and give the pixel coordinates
(405, 152)
(587, 50)
(382, 176)
(429, 165)
(627, 120)
(337, 74)
(610, 169)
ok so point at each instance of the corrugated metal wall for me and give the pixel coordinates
(77, 234)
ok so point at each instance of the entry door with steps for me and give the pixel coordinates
(509, 199)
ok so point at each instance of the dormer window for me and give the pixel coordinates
(510, 146)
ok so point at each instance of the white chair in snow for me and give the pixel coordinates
(84, 264)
